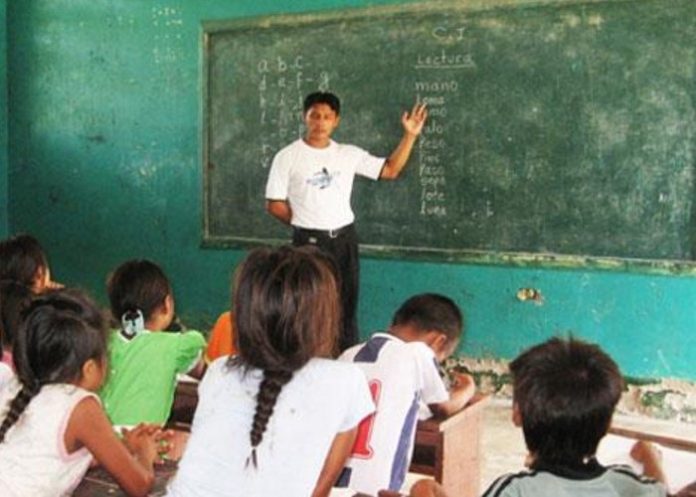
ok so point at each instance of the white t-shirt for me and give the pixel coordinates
(33, 458)
(322, 399)
(317, 182)
(401, 375)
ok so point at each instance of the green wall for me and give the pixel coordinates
(105, 147)
(3, 120)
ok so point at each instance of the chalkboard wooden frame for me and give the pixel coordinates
(682, 266)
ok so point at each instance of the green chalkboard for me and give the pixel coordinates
(555, 128)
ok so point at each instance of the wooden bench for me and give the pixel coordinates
(450, 449)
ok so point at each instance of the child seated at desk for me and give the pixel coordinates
(402, 370)
(22, 259)
(53, 424)
(144, 361)
(280, 418)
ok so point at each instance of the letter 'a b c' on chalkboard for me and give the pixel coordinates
(558, 131)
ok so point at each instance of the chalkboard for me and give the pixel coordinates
(556, 128)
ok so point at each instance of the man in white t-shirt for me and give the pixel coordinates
(310, 183)
(402, 371)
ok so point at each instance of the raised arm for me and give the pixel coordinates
(412, 123)
(279, 209)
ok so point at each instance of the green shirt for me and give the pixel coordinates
(142, 374)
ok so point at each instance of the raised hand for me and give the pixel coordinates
(414, 121)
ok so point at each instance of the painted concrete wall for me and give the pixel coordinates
(105, 152)
(3, 120)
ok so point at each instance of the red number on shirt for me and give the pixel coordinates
(362, 448)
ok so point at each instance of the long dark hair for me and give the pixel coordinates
(61, 331)
(286, 311)
(15, 298)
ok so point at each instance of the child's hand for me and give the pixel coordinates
(643, 451)
(462, 382)
(650, 457)
(142, 442)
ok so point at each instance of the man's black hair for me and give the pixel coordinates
(322, 97)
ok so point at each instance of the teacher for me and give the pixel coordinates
(309, 188)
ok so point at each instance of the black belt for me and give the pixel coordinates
(325, 233)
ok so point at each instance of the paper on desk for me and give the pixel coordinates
(679, 466)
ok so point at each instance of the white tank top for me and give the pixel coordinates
(33, 457)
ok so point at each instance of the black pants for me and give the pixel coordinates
(343, 248)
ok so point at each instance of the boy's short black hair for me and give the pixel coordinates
(566, 391)
(431, 311)
(322, 97)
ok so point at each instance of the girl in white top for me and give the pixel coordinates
(281, 417)
(52, 424)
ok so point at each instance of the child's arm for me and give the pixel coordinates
(461, 391)
(335, 460)
(89, 427)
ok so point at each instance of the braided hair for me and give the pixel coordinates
(61, 331)
(286, 311)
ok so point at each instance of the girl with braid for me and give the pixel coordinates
(279, 418)
(52, 424)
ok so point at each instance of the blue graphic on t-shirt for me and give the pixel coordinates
(322, 179)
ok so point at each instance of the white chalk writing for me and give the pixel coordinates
(282, 82)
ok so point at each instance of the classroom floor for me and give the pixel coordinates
(502, 442)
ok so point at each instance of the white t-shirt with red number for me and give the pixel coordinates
(401, 375)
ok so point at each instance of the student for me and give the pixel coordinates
(23, 260)
(143, 361)
(309, 187)
(221, 342)
(280, 418)
(402, 369)
(564, 395)
(52, 422)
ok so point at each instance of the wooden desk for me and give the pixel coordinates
(99, 483)
(666, 440)
(450, 449)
